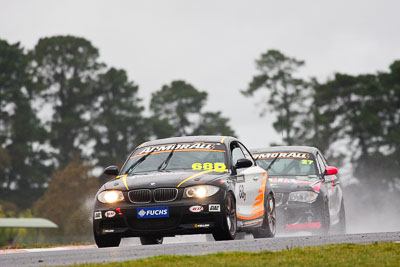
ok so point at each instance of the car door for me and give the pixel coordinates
(337, 193)
(249, 181)
(330, 185)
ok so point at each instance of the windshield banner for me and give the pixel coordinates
(282, 155)
(198, 146)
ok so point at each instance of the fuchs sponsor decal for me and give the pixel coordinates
(202, 225)
(196, 208)
(284, 155)
(97, 215)
(181, 146)
(214, 208)
(110, 213)
(152, 212)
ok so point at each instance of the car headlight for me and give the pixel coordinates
(110, 196)
(303, 196)
(201, 191)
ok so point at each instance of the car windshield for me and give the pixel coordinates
(197, 156)
(287, 163)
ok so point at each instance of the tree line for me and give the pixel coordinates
(60, 104)
(353, 118)
(63, 112)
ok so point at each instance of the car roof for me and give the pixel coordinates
(188, 139)
(307, 149)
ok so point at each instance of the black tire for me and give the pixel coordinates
(106, 241)
(229, 227)
(340, 228)
(268, 228)
(325, 220)
(150, 240)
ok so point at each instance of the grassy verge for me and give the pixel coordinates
(377, 254)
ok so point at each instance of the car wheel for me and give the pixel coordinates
(340, 228)
(229, 227)
(150, 240)
(268, 228)
(106, 241)
(325, 220)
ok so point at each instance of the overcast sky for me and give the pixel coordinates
(212, 44)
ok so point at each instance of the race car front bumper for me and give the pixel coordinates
(183, 216)
(298, 216)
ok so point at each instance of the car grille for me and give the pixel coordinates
(159, 195)
(165, 194)
(140, 196)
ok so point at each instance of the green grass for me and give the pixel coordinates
(377, 254)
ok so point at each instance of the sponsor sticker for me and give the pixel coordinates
(199, 146)
(214, 208)
(196, 208)
(178, 147)
(240, 179)
(110, 213)
(254, 222)
(152, 212)
(288, 181)
(202, 225)
(287, 155)
(97, 215)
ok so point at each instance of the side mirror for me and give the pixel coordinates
(243, 163)
(330, 170)
(111, 170)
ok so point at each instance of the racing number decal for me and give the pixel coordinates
(307, 162)
(207, 167)
(242, 194)
(218, 167)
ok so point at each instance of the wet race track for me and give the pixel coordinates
(130, 249)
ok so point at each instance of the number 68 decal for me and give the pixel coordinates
(218, 167)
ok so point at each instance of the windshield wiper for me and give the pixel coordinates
(134, 165)
(272, 162)
(166, 159)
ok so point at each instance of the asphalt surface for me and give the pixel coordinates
(130, 252)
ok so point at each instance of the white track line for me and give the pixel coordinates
(30, 250)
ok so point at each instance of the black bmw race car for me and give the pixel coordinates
(184, 185)
(307, 191)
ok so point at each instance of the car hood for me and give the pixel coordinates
(282, 184)
(181, 178)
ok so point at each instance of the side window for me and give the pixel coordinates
(324, 160)
(247, 153)
(237, 153)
